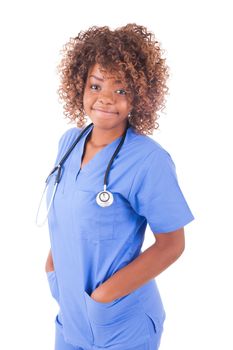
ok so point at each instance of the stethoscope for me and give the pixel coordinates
(104, 198)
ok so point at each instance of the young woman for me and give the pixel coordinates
(114, 180)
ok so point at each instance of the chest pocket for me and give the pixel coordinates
(90, 221)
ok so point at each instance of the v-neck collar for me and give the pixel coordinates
(103, 155)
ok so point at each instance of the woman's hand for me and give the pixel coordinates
(101, 296)
(149, 264)
(49, 263)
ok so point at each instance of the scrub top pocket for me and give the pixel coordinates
(52, 279)
(90, 221)
(120, 322)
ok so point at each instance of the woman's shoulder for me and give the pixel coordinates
(146, 145)
(67, 139)
(73, 131)
(69, 135)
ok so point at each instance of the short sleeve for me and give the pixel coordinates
(156, 194)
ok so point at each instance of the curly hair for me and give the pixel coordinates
(131, 50)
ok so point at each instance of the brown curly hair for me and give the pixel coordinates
(131, 50)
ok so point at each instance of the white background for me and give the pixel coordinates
(195, 129)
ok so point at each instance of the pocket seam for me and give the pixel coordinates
(155, 323)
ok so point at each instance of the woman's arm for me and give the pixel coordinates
(155, 259)
(49, 262)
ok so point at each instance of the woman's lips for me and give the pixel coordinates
(104, 111)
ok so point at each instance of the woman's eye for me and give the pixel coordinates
(122, 91)
(94, 87)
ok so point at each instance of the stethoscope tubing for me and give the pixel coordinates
(100, 198)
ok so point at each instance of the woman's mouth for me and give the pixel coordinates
(104, 111)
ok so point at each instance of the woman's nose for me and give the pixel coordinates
(106, 97)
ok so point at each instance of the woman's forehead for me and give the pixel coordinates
(106, 73)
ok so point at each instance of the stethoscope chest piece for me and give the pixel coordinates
(104, 198)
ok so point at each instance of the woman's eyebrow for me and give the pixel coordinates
(98, 78)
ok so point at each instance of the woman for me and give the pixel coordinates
(104, 284)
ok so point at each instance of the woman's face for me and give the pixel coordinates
(105, 99)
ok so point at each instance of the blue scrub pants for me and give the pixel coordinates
(151, 344)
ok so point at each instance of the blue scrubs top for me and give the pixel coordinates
(90, 243)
